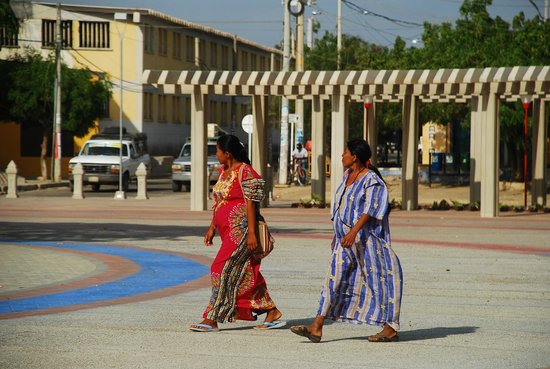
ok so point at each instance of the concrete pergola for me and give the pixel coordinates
(482, 88)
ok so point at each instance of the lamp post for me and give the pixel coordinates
(367, 104)
(525, 101)
(120, 194)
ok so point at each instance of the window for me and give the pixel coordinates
(244, 60)
(224, 115)
(176, 45)
(49, 32)
(176, 109)
(190, 48)
(212, 112)
(252, 62)
(163, 41)
(263, 63)
(225, 57)
(213, 54)
(149, 38)
(147, 106)
(162, 108)
(8, 41)
(187, 112)
(94, 35)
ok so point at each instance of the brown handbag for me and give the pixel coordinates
(266, 242)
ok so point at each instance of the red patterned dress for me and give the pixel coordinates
(239, 290)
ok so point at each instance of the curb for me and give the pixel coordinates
(35, 186)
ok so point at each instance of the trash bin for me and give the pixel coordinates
(449, 163)
(437, 161)
(465, 162)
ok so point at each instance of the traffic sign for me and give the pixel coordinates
(294, 118)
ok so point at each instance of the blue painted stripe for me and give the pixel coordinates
(157, 271)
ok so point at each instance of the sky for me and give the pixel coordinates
(261, 21)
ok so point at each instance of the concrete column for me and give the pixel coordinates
(199, 184)
(409, 175)
(11, 171)
(259, 138)
(372, 133)
(141, 174)
(475, 150)
(489, 155)
(339, 136)
(78, 173)
(318, 172)
(540, 135)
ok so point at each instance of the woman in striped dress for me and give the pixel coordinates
(364, 280)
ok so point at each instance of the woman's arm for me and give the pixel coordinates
(210, 234)
(349, 238)
(252, 240)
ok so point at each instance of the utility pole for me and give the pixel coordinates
(57, 137)
(120, 194)
(299, 68)
(545, 10)
(339, 35)
(283, 153)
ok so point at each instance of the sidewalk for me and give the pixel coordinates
(476, 291)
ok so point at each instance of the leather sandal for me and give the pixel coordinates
(379, 337)
(301, 330)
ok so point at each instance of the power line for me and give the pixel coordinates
(364, 11)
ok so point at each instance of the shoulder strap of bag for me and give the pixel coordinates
(240, 178)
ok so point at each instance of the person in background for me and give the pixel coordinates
(364, 281)
(239, 291)
(299, 155)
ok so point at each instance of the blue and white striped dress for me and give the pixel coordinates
(364, 283)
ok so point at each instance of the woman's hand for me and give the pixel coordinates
(252, 242)
(209, 236)
(349, 239)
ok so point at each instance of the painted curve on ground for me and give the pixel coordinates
(157, 271)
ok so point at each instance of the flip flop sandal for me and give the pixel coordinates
(379, 337)
(302, 330)
(203, 328)
(271, 325)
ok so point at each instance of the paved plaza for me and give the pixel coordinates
(104, 283)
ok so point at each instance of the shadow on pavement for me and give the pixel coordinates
(433, 333)
(412, 335)
(96, 232)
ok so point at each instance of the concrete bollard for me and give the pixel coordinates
(78, 172)
(141, 174)
(11, 171)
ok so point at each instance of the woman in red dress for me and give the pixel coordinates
(239, 291)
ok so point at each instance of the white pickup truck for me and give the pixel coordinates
(100, 159)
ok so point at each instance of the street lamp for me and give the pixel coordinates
(525, 101)
(367, 104)
(296, 7)
(120, 195)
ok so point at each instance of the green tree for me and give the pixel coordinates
(30, 98)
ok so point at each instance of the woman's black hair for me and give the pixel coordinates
(232, 145)
(361, 149)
